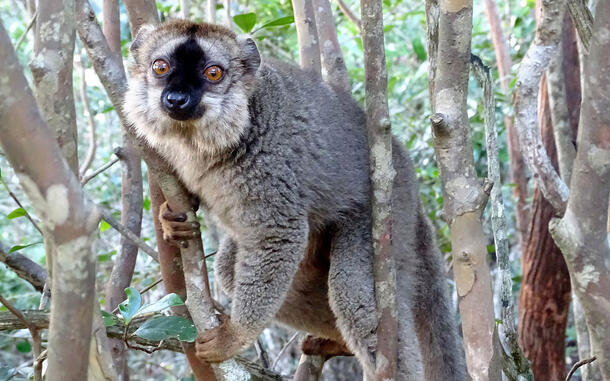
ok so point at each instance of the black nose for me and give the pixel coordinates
(176, 101)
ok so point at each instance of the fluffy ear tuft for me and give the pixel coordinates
(249, 54)
(141, 35)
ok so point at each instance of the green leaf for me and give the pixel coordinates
(130, 307)
(169, 300)
(109, 319)
(245, 21)
(24, 346)
(19, 247)
(105, 257)
(146, 203)
(278, 22)
(19, 212)
(166, 327)
(107, 109)
(104, 226)
(418, 48)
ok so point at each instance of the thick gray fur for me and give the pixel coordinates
(290, 188)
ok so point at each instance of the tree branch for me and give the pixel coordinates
(382, 179)
(107, 216)
(349, 14)
(533, 65)
(583, 21)
(307, 35)
(84, 180)
(24, 267)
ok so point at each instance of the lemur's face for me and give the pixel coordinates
(191, 79)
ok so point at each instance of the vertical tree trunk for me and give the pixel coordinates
(52, 72)
(333, 65)
(69, 220)
(581, 233)
(211, 11)
(544, 301)
(449, 30)
(307, 35)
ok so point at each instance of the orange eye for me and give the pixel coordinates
(160, 66)
(213, 73)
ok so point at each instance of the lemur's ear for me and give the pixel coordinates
(249, 53)
(141, 35)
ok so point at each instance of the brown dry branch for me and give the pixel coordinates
(307, 35)
(581, 233)
(69, 221)
(27, 29)
(24, 267)
(533, 65)
(498, 222)
(349, 14)
(382, 179)
(517, 165)
(333, 65)
(578, 365)
(449, 30)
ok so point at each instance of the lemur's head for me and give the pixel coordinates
(193, 80)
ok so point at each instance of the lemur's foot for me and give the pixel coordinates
(176, 229)
(317, 346)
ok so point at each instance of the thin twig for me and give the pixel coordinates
(22, 38)
(14, 197)
(91, 121)
(262, 354)
(578, 365)
(106, 216)
(101, 169)
(349, 14)
(37, 348)
(24, 267)
(285, 348)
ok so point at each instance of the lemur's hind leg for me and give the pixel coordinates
(352, 299)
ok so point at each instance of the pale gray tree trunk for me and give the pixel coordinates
(449, 32)
(69, 221)
(333, 65)
(307, 35)
(581, 233)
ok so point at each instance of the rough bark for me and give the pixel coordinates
(544, 301)
(307, 35)
(382, 178)
(508, 332)
(69, 221)
(589, 372)
(450, 28)
(581, 233)
(535, 62)
(517, 165)
(333, 65)
(52, 71)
